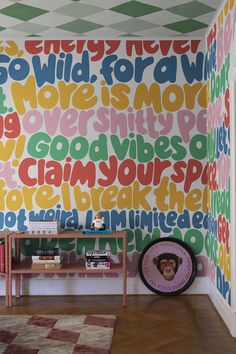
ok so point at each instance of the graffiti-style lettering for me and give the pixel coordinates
(10, 126)
(151, 47)
(97, 49)
(61, 69)
(18, 69)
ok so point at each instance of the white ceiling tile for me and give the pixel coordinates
(11, 34)
(162, 18)
(207, 18)
(151, 2)
(48, 5)
(106, 18)
(212, 3)
(56, 33)
(157, 32)
(51, 18)
(5, 3)
(105, 4)
(199, 33)
(7, 21)
(105, 32)
(165, 4)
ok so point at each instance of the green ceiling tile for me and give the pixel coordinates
(33, 35)
(129, 35)
(28, 27)
(22, 12)
(79, 26)
(135, 9)
(191, 9)
(78, 10)
(186, 26)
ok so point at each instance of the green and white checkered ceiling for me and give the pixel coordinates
(105, 18)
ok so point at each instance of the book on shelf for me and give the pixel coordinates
(98, 265)
(97, 259)
(2, 257)
(53, 266)
(52, 227)
(98, 253)
(97, 256)
(46, 252)
(45, 258)
(44, 232)
(45, 223)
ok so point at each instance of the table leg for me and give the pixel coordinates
(124, 269)
(17, 276)
(17, 285)
(9, 273)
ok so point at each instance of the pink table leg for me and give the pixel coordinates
(124, 269)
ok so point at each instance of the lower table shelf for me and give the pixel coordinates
(66, 268)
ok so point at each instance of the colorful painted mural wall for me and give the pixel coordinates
(219, 55)
(117, 126)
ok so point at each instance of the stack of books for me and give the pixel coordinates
(52, 227)
(2, 256)
(98, 259)
(46, 259)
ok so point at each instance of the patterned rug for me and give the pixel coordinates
(56, 334)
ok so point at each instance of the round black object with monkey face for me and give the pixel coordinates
(167, 266)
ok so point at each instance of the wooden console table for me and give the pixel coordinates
(18, 268)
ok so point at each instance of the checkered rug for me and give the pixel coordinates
(56, 334)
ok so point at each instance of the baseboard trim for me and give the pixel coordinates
(227, 313)
(93, 286)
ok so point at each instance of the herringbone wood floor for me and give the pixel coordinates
(186, 324)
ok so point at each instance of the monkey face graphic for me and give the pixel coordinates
(167, 264)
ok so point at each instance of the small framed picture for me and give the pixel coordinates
(167, 266)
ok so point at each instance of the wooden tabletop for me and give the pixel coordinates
(69, 234)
